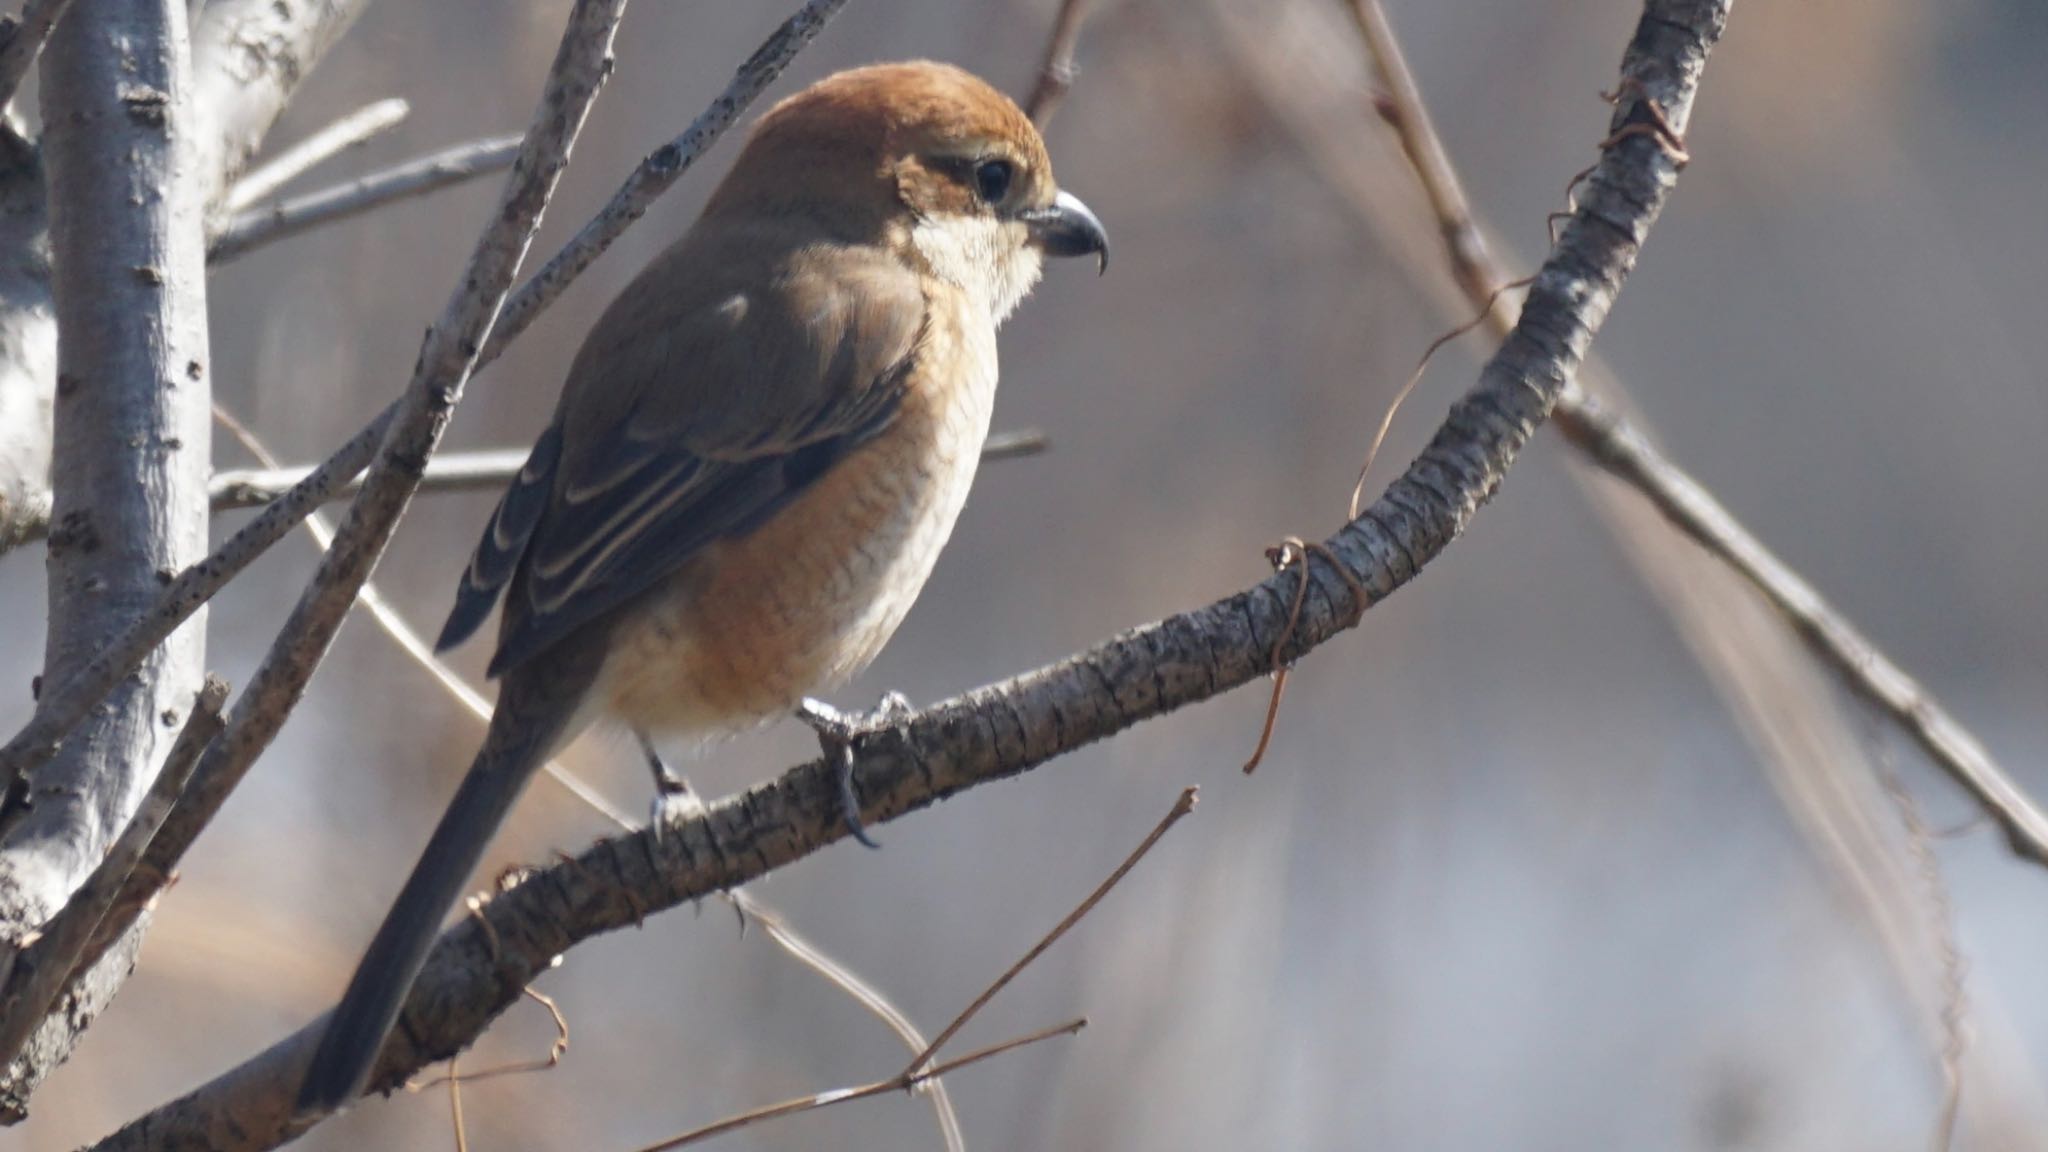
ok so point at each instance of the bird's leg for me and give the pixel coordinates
(672, 797)
(839, 731)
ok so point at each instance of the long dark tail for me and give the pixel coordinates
(534, 711)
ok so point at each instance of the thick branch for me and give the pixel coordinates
(62, 947)
(481, 965)
(132, 433)
(63, 707)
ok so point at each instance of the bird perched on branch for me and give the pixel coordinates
(759, 452)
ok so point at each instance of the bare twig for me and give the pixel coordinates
(24, 37)
(62, 708)
(1606, 438)
(461, 164)
(661, 169)
(479, 965)
(1181, 807)
(486, 470)
(355, 129)
(1955, 999)
(1056, 72)
(557, 1048)
(900, 1083)
(1624, 452)
(61, 950)
(846, 980)
(489, 470)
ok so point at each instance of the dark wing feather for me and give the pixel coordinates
(504, 542)
(704, 401)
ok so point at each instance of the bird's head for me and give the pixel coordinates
(922, 158)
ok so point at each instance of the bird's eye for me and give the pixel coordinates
(992, 179)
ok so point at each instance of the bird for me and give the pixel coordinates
(760, 449)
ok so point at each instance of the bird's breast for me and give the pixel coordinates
(809, 598)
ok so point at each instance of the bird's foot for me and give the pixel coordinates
(673, 799)
(838, 733)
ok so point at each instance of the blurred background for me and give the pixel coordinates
(1511, 875)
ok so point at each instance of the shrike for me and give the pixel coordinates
(759, 452)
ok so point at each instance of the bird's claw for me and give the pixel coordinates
(673, 799)
(838, 734)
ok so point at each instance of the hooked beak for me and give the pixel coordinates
(1067, 228)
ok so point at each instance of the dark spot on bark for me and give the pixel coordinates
(74, 530)
(170, 717)
(35, 688)
(146, 104)
(194, 369)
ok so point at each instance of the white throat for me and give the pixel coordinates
(989, 259)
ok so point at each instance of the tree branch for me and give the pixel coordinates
(1607, 439)
(481, 964)
(1625, 453)
(131, 443)
(447, 358)
(62, 708)
(350, 131)
(25, 36)
(431, 173)
(487, 470)
(1056, 72)
(63, 947)
(248, 59)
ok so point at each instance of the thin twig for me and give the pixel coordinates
(433, 172)
(661, 169)
(486, 470)
(1057, 71)
(62, 949)
(846, 980)
(1955, 999)
(1181, 807)
(1606, 438)
(351, 131)
(25, 37)
(557, 1048)
(1625, 453)
(455, 1105)
(61, 709)
(489, 470)
(844, 1095)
